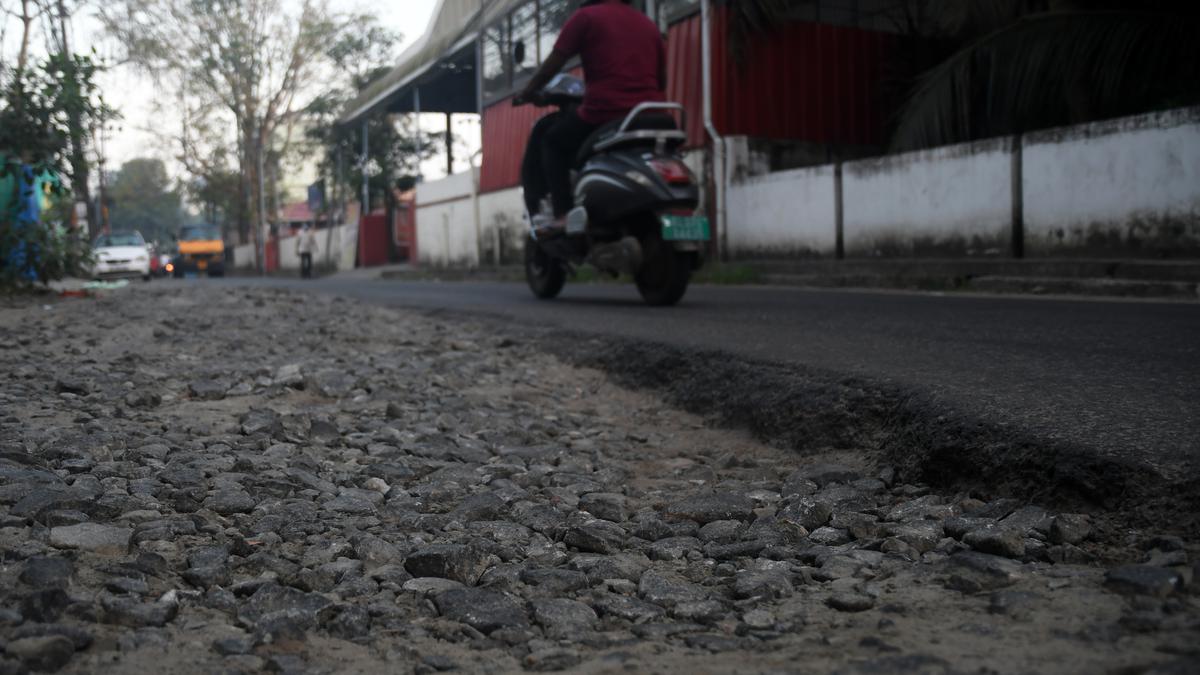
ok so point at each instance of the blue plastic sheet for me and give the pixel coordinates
(24, 212)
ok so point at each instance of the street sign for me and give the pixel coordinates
(316, 196)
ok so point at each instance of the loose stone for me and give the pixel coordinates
(44, 654)
(997, 539)
(101, 540)
(708, 508)
(459, 563)
(481, 609)
(851, 602)
(1157, 582)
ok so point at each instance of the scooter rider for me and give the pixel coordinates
(624, 64)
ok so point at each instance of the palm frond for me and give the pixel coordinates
(1052, 69)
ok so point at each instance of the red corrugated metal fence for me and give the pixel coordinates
(505, 132)
(685, 75)
(803, 82)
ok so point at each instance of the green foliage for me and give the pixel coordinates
(241, 72)
(45, 248)
(33, 128)
(58, 253)
(364, 56)
(143, 199)
(37, 110)
(215, 189)
(393, 148)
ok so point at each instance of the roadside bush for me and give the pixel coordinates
(34, 245)
(36, 107)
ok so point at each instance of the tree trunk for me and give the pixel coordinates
(251, 154)
(247, 178)
(23, 54)
(80, 170)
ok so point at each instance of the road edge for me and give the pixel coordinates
(811, 412)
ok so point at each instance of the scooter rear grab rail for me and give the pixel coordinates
(652, 105)
(624, 135)
(642, 135)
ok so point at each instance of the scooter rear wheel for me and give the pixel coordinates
(545, 275)
(665, 273)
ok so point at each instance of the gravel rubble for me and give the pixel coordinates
(216, 479)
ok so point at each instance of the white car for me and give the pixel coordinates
(121, 254)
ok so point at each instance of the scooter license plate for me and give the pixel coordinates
(685, 228)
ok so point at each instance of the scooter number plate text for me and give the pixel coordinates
(685, 228)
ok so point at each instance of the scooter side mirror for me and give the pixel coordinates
(519, 53)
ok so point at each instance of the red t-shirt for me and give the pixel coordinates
(623, 54)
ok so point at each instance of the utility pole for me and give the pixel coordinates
(327, 196)
(339, 184)
(260, 242)
(417, 118)
(102, 211)
(449, 144)
(366, 177)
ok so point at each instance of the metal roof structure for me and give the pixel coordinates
(441, 65)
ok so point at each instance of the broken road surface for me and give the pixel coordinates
(209, 479)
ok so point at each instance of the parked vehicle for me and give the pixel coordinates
(635, 202)
(201, 250)
(121, 254)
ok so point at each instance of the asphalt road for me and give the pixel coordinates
(1119, 378)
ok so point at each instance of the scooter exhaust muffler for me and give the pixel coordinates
(619, 256)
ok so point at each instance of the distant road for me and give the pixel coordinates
(1120, 378)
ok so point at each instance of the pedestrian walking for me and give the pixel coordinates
(306, 246)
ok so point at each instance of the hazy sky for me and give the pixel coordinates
(132, 93)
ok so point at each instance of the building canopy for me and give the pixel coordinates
(438, 72)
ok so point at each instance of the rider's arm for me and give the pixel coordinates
(552, 66)
(570, 43)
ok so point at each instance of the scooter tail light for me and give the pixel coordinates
(672, 171)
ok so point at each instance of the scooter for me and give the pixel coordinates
(636, 203)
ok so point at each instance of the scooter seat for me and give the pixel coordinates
(646, 122)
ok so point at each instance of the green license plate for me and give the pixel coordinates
(685, 228)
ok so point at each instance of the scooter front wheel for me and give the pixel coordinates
(545, 275)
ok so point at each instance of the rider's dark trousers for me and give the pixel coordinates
(562, 143)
